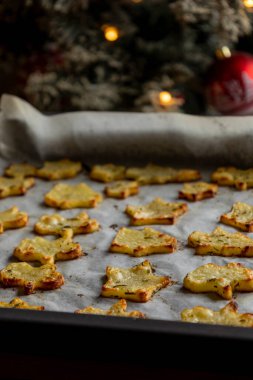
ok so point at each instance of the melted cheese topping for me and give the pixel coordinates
(230, 273)
(21, 170)
(30, 278)
(225, 316)
(13, 218)
(122, 189)
(159, 174)
(157, 209)
(107, 172)
(199, 187)
(140, 277)
(14, 186)
(242, 179)
(118, 309)
(241, 212)
(46, 251)
(219, 239)
(18, 303)
(59, 169)
(141, 238)
(55, 224)
(28, 273)
(69, 196)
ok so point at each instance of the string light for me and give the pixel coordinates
(165, 101)
(165, 98)
(111, 33)
(248, 4)
(223, 52)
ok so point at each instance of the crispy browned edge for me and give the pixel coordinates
(21, 190)
(141, 295)
(158, 220)
(148, 250)
(203, 249)
(29, 287)
(70, 255)
(197, 196)
(87, 229)
(123, 194)
(248, 227)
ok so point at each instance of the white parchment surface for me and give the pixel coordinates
(26, 134)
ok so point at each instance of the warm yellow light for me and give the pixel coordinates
(165, 98)
(136, 1)
(248, 3)
(223, 52)
(111, 33)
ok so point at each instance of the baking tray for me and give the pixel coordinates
(169, 142)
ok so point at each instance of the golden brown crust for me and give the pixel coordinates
(241, 216)
(55, 224)
(20, 170)
(31, 278)
(122, 189)
(231, 176)
(18, 303)
(117, 310)
(15, 186)
(221, 243)
(228, 315)
(12, 218)
(61, 169)
(156, 212)
(107, 172)
(154, 174)
(64, 196)
(223, 280)
(142, 242)
(136, 284)
(46, 251)
(198, 191)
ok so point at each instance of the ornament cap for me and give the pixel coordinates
(223, 52)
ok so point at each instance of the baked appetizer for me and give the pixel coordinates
(136, 284)
(156, 212)
(223, 280)
(117, 310)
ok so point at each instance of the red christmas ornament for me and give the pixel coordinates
(229, 88)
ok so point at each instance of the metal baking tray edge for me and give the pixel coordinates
(149, 342)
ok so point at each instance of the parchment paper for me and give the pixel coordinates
(26, 134)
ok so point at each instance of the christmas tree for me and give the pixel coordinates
(124, 55)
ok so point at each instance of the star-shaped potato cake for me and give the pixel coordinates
(12, 218)
(197, 191)
(18, 303)
(55, 224)
(241, 216)
(62, 169)
(223, 280)
(156, 212)
(122, 189)
(154, 174)
(66, 196)
(136, 284)
(30, 278)
(47, 251)
(117, 310)
(107, 172)
(14, 186)
(21, 170)
(228, 315)
(221, 243)
(142, 242)
(231, 176)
